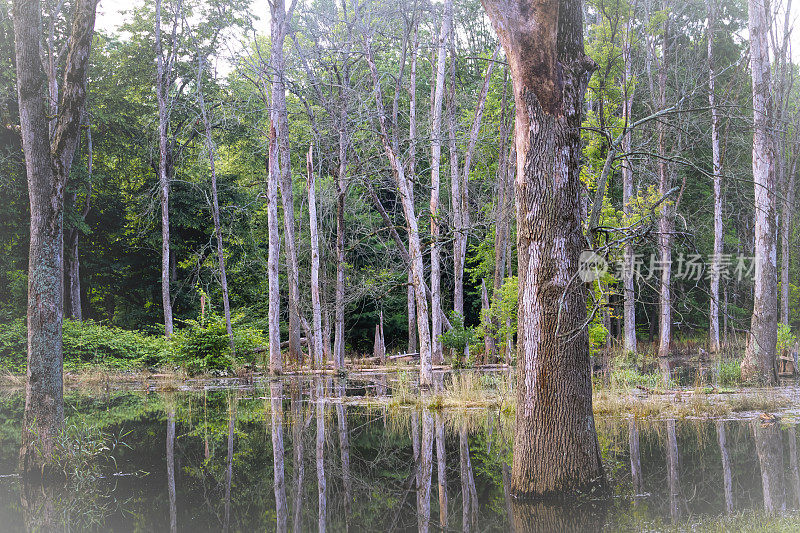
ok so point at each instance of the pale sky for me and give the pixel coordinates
(110, 16)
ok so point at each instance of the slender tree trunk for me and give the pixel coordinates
(786, 253)
(338, 338)
(415, 247)
(173, 510)
(316, 306)
(436, 156)
(716, 161)
(555, 443)
(299, 464)
(628, 193)
(279, 483)
(455, 192)
(72, 292)
(666, 222)
(488, 338)
(47, 165)
(223, 278)
(273, 257)
(279, 117)
(162, 88)
(759, 359)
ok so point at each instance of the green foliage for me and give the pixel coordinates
(500, 320)
(598, 334)
(730, 372)
(786, 339)
(203, 346)
(86, 343)
(457, 339)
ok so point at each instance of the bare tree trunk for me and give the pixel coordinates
(47, 165)
(223, 278)
(769, 448)
(786, 224)
(279, 480)
(338, 338)
(628, 193)
(415, 246)
(716, 159)
(436, 155)
(759, 358)
(502, 211)
(666, 222)
(162, 88)
(72, 292)
(488, 338)
(278, 115)
(555, 443)
(273, 257)
(316, 306)
(726, 466)
(459, 223)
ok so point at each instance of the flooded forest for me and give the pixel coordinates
(428, 265)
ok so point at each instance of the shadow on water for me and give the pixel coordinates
(293, 455)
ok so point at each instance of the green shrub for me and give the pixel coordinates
(457, 339)
(730, 372)
(86, 343)
(786, 339)
(203, 345)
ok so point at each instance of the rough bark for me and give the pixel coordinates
(759, 358)
(210, 148)
(555, 442)
(162, 96)
(47, 165)
(716, 162)
(316, 306)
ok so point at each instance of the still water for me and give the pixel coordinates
(292, 455)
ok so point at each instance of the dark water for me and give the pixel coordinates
(211, 461)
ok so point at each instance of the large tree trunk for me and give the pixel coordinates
(279, 117)
(316, 306)
(716, 161)
(47, 165)
(769, 448)
(555, 442)
(223, 278)
(436, 156)
(759, 358)
(162, 89)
